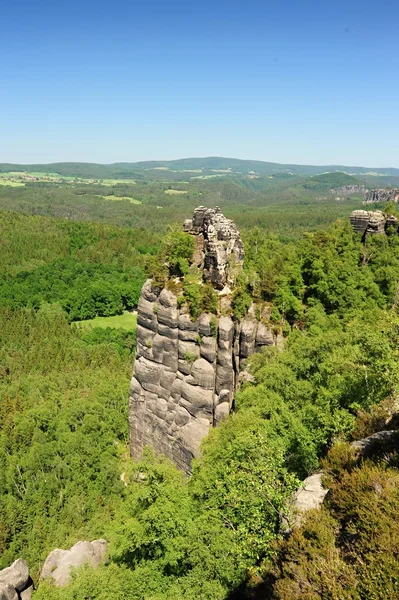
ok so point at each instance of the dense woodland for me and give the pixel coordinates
(68, 256)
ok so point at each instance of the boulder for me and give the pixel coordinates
(203, 374)
(147, 371)
(226, 329)
(148, 292)
(167, 299)
(196, 399)
(188, 351)
(168, 316)
(222, 411)
(247, 337)
(204, 324)
(309, 496)
(382, 441)
(264, 336)
(186, 324)
(208, 349)
(15, 582)
(58, 564)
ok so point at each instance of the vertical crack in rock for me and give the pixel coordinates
(186, 371)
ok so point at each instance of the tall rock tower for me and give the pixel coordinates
(185, 371)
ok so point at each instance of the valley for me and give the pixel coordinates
(273, 317)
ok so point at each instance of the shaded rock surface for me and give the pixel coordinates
(15, 582)
(58, 564)
(381, 441)
(186, 372)
(382, 195)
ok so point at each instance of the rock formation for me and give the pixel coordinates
(348, 190)
(186, 371)
(372, 222)
(381, 442)
(382, 195)
(221, 245)
(15, 583)
(309, 496)
(58, 564)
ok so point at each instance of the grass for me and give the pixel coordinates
(112, 182)
(11, 183)
(175, 192)
(126, 198)
(126, 320)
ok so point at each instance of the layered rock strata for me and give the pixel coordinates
(372, 222)
(382, 195)
(186, 371)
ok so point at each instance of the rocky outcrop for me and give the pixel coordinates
(380, 442)
(372, 222)
(15, 582)
(309, 496)
(58, 564)
(348, 190)
(382, 195)
(186, 371)
(222, 250)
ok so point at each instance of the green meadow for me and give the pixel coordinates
(126, 320)
(121, 198)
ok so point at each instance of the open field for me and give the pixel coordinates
(11, 182)
(37, 176)
(126, 320)
(176, 192)
(112, 182)
(126, 198)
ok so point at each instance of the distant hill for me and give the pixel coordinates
(189, 167)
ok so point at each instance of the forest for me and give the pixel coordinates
(68, 254)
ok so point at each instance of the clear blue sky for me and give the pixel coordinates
(312, 82)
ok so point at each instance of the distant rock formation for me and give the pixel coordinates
(372, 222)
(15, 582)
(382, 195)
(58, 564)
(348, 190)
(186, 371)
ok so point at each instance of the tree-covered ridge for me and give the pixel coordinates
(122, 170)
(286, 205)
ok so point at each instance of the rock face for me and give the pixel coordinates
(385, 441)
(186, 371)
(382, 195)
(223, 250)
(348, 190)
(372, 222)
(58, 564)
(309, 496)
(15, 583)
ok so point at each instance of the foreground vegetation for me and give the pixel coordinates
(65, 473)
